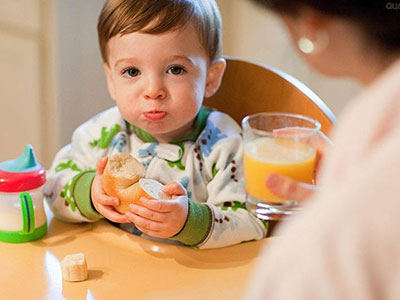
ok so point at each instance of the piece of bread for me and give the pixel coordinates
(123, 178)
(74, 267)
(122, 170)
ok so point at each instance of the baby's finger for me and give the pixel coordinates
(162, 206)
(110, 213)
(107, 200)
(143, 222)
(147, 213)
(101, 164)
(174, 188)
(156, 234)
(101, 197)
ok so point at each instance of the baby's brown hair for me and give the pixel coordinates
(159, 16)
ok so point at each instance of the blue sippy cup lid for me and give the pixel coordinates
(25, 163)
(22, 174)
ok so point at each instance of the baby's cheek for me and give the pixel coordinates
(134, 118)
(188, 111)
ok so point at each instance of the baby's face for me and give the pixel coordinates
(158, 81)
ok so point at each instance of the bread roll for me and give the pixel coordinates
(122, 170)
(74, 267)
(123, 178)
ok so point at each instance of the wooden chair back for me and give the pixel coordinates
(249, 88)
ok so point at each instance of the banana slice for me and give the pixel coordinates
(74, 267)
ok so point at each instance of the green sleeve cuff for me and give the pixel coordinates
(81, 192)
(197, 226)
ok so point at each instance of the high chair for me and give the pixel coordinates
(249, 87)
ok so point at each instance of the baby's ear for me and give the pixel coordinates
(214, 77)
(110, 82)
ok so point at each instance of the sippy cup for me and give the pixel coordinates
(22, 216)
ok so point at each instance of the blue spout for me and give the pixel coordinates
(25, 163)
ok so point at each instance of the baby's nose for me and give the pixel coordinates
(155, 89)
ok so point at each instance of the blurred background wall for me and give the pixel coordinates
(51, 76)
(27, 81)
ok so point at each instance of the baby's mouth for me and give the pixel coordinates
(155, 115)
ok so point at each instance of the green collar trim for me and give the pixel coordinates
(198, 127)
(143, 135)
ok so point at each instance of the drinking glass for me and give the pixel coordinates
(279, 143)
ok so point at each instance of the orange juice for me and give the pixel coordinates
(266, 155)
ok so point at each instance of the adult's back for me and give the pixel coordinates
(345, 244)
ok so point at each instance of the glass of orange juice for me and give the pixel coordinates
(277, 143)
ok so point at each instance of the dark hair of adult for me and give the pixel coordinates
(378, 19)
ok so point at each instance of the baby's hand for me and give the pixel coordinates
(103, 203)
(161, 218)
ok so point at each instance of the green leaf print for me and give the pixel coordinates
(66, 193)
(234, 205)
(105, 137)
(265, 223)
(67, 165)
(178, 163)
(214, 170)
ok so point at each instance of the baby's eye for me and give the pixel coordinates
(176, 70)
(131, 72)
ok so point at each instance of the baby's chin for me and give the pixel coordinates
(159, 127)
(166, 129)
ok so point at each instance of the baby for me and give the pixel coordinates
(161, 58)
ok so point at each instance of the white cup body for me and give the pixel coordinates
(10, 210)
